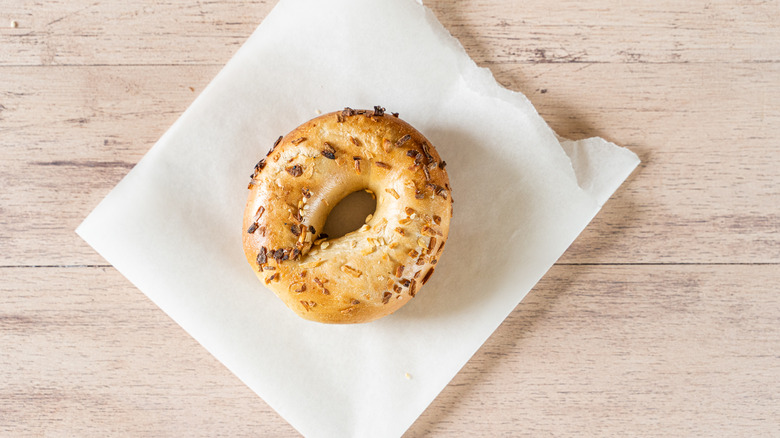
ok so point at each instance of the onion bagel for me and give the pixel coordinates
(370, 272)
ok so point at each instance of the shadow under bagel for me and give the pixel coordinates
(473, 261)
(476, 241)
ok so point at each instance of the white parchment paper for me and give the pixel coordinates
(173, 225)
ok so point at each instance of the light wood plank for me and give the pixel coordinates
(85, 354)
(626, 351)
(707, 137)
(595, 350)
(115, 32)
(70, 134)
(650, 350)
(540, 31)
(60, 32)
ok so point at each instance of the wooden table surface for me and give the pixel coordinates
(662, 319)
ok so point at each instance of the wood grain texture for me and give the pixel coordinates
(85, 32)
(86, 354)
(626, 351)
(707, 139)
(594, 350)
(660, 320)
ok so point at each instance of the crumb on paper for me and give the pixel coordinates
(14, 24)
(318, 111)
(408, 376)
(192, 89)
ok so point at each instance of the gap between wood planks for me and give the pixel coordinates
(481, 63)
(557, 264)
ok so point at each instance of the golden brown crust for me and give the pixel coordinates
(368, 273)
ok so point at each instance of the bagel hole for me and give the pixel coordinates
(349, 214)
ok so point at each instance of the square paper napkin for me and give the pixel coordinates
(173, 225)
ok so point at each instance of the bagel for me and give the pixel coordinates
(368, 273)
